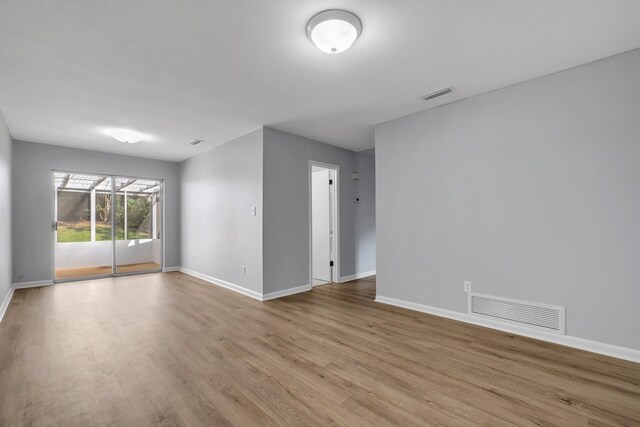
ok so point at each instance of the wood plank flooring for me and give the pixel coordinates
(69, 273)
(170, 349)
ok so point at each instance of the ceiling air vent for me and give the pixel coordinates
(545, 317)
(437, 93)
(196, 141)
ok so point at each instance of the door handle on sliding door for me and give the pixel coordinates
(54, 226)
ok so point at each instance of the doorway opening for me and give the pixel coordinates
(106, 225)
(324, 223)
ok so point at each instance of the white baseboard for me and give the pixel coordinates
(243, 290)
(223, 283)
(170, 269)
(357, 276)
(286, 292)
(5, 303)
(566, 340)
(36, 284)
(21, 285)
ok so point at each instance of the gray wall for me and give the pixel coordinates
(219, 188)
(33, 200)
(365, 226)
(5, 209)
(530, 192)
(286, 208)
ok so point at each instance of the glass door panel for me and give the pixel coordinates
(82, 226)
(138, 208)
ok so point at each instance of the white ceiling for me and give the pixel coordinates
(216, 69)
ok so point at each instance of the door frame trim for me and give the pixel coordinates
(335, 271)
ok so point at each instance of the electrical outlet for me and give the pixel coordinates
(244, 269)
(254, 211)
(193, 257)
(467, 286)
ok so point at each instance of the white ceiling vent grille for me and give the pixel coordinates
(545, 317)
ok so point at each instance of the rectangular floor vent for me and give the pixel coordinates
(545, 317)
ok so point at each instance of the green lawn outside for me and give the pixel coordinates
(82, 233)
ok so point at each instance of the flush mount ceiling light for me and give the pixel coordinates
(334, 31)
(128, 136)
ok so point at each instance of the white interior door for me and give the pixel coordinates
(320, 225)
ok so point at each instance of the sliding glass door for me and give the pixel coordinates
(86, 242)
(138, 216)
(82, 226)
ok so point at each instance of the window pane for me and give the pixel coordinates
(119, 216)
(139, 217)
(74, 216)
(103, 216)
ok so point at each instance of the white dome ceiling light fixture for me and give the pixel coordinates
(125, 135)
(334, 31)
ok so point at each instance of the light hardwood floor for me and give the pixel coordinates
(170, 349)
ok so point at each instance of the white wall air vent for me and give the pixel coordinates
(550, 318)
(437, 93)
